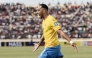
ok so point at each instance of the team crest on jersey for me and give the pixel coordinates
(55, 23)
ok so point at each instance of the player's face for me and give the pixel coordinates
(40, 11)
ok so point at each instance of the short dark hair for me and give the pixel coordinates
(44, 6)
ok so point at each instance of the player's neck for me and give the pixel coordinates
(46, 15)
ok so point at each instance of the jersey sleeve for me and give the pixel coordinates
(55, 25)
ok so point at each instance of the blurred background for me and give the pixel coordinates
(18, 20)
(20, 25)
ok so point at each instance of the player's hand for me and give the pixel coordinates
(36, 46)
(74, 46)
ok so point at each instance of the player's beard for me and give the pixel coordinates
(40, 16)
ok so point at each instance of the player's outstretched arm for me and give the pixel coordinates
(67, 38)
(36, 45)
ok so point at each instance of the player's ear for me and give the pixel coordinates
(44, 10)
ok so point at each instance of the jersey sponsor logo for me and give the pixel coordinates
(55, 23)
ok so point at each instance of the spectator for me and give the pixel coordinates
(18, 21)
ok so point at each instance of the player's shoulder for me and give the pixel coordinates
(52, 18)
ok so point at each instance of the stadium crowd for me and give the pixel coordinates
(18, 21)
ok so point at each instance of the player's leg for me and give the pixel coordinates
(54, 52)
(43, 54)
(61, 57)
(59, 53)
(49, 53)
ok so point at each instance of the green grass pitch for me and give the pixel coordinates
(26, 52)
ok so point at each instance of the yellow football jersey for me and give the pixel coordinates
(50, 26)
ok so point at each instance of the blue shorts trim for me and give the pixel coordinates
(51, 52)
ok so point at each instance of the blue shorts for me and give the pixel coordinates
(51, 52)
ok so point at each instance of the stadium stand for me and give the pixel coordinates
(18, 21)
